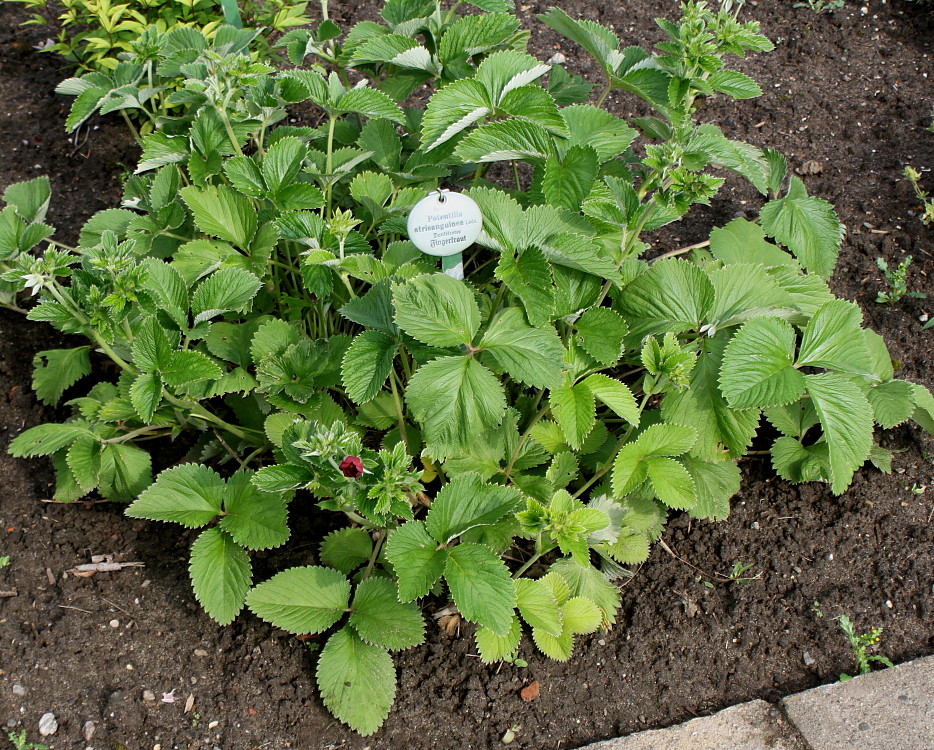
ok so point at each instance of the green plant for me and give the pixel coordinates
(861, 643)
(4, 561)
(821, 6)
(815, 608)
(927, 204)
(19, 742)
(739, 569)
(896, 280)
(509, 441)
(96, 34)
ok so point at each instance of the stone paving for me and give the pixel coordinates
(892, 709)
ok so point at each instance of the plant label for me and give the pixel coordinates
(444, 224)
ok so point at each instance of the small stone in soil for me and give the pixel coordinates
(19, 690)
(48, 725)
(808, 659)
(200, 652)
(88, 730)
(149, 696)
(115, 623)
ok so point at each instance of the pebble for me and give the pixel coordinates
(200, 652)
(557, 59)
(808, 659)
(213, 725)
(889, 604)
(755, 526)
(88, 730)
(115, 623)
(48, 725)
(19, 690)
(149, 696)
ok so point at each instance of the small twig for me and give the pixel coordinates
(117, 606)
(86, 611)
(7, 594)
(680, 251)
(229, 449)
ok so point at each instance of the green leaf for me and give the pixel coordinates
(481, 586)
(367, 364)
(807, 226)
(31, 198)
(530, 355)
(466, 502)
(455, 399)
(528, 276)
(222, 212)
(283, 162)
(538, 606)
(186, 366)
(125, 471)
(598, 40)
(168, 290)
(357, 681)
(84, 460)
(454, 108)
(834, 340)
(742, 241)
(494, 647)
(416, 558)
(56, 370)
(255, 519)
(534, 104)
(382, 620)
(45, 439)
(673, 295)
(715, 483)
(581, 615)
(370, 103)
(667, 440)
(590, 126)
(758, 365)
(346, 549)
(501, 141)
(220, 574)
(226, 290)
(892, 402)
(743, 291)
(189, 494)
(301, 600)
(797, 463)
(614, 394)
(146, 394)
(559, 649)
(847, 420)
(589, 583)
(568, 182)
(281, 478)
(629, 470)
(601, 331)
(735, 84)
(722, 431)
(111, 219)
(437, 310)
(671, 482)
(574, 410)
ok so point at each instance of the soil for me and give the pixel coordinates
(848, 91)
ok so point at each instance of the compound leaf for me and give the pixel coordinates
(301, 600)
(220, 574)
(481, 586)
(416, 558)
(381, 619)
(190, 494)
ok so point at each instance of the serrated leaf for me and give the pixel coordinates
(370, 103)
(722, 431)
(416, 558)
(614, 394)
(190, 494)
(892, 403)
(630, 548)
(146, 394)
(742, 241)
(437, 310)
(125, 471)
(847, 420)
(381, 619)
(481, 586)
(494, 647)
(673, 295)
(574, 410)
(470, 35)
(220, 574)
(530, 355)
(590, 126)
(757, 366)
(558, 648)
(168, 290)
(807, 226)
(301, 600)
(569, 181)
(56, 370)
(528, 276)
(45, 439)
(715, 482)
(281, 478)
(31, 198)
(796, 463)
(743, 291)
(735, 84)
(222, 212)
(834, 339)
(589, 583)
(501, 141)
(346, 549)
(225, 290)
(563, 470)
(629, 470)
(454, 399)
(187, 366)
(465, 502)
(667, 440)
(84, 460)
(601, 331)
(581, 615)
(538, 606)
(671, 482)
(357, 681)
(451, 110)
(254, 518)
(367, 364)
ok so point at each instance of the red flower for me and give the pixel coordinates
(352, 467)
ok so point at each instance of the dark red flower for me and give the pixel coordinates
(352, 467)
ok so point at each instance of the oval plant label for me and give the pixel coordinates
(444, 223)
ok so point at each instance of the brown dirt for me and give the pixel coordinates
(848, 90)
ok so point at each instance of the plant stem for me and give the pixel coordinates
(329, 166)
(399, 413)
(380, 537)
(131, 126)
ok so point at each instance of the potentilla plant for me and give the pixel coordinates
(508, 441)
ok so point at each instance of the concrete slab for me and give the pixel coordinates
(892, 709)
(756, 725)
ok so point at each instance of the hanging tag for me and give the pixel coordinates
(444, 224)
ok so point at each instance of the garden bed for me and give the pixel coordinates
(847, 101)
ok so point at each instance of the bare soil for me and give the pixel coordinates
(848, 97)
